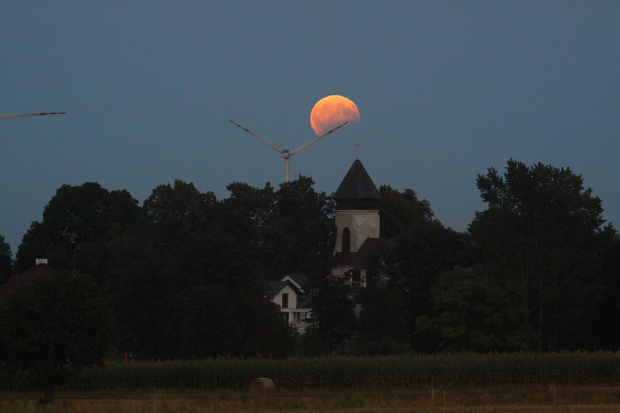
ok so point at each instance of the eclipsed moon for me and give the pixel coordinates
(332, 111)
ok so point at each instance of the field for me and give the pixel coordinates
(567, 382)
(453, 400)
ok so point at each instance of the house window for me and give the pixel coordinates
(285, 300)
(346, 240)
(285, 317)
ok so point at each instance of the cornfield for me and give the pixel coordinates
(579, 369)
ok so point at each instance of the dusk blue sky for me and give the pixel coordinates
(445, 89)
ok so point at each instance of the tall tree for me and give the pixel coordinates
(288, 230)
(541, 227)
(333, 314)
(189, 281)
(383, 314)
(474, 311)
(77, 225)
(403, 211)
(53, 327)
(417, 250)
(6, 261)
(245, 218)
(601, 331)
(301, 231)
(155, 264)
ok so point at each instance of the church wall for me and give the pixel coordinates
(362, 224)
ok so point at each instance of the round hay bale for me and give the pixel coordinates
(262, 385)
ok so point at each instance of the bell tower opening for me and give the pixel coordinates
(346, 240)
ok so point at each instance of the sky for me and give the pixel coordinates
(445, 89)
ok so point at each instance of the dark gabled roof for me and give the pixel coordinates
(276, 286)
(25, 278)
(357, 184)
(299, 279)
(356, 259)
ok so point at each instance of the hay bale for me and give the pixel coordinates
(262, 385)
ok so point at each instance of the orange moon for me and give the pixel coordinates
(332, 111)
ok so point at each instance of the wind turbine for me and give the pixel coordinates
(286, 154)
(23, 115)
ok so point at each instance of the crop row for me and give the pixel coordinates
(402, 371)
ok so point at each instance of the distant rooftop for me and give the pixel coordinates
(25, 278)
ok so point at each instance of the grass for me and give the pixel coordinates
(499, 399)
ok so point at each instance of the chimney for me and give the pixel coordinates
(40, 261)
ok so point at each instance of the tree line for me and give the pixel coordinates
(184, 273)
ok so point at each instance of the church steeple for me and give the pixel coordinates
(357, 210)
(357, 190)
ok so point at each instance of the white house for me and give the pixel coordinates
(288, 293)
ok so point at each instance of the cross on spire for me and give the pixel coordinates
(357, 150)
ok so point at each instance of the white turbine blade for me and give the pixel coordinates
(23, 115)
(273, 145)
(312, 142)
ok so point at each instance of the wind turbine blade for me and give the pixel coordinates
(273, 145)
(312, 142)
(23, 115)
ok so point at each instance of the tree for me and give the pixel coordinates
(301, 231)
(137, 288)
(53, 327)
(601, 331)
(473, 311)
(189, 281)
(78, 224)
(245, 227)
(383, 314)
(288, 230)
(6, 261)
(542, 229)
(332, 311)
(177, 211)
(418, 248)
(402, 211)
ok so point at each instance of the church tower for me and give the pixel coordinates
(357, 210)
(357, 224)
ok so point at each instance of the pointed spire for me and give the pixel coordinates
(357, 190)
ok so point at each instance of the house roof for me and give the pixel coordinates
(356, 259)
(299, 279)
(276, 286)
(357, 190)
(25, 278)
